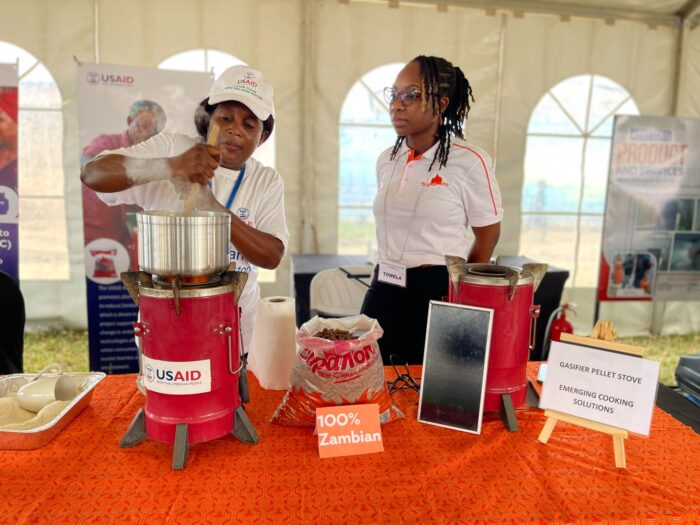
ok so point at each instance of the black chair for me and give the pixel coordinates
(688, 376)
(11, 326)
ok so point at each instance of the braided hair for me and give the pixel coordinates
(439, 78)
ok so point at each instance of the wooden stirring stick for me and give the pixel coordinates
(194, 190)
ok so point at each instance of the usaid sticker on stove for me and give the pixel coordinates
(177, 377)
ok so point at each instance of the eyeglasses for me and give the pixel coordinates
(407, 96)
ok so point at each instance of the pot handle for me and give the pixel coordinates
(229, 344)
(139, 329)
(534, 314)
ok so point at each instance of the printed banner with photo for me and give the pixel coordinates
(9, 196)
(119, 106)
(651, 231)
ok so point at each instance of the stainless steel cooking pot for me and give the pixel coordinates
(173, 244)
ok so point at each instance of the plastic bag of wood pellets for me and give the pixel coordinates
(338, 363)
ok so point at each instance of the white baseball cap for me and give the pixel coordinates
(245, 85)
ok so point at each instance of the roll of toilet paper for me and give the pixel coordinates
(273, 344)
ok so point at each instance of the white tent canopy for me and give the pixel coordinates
(315, 50)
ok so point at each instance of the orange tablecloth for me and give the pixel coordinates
(426, 474)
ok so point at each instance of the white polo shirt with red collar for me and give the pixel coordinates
(422, 216)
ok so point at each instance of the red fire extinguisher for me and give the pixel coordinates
(557, 325)
(560, 324)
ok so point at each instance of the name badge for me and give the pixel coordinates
(392, 273)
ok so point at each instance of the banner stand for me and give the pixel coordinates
(650, 249)
(119, 107)
(9, 189)
(657, 315)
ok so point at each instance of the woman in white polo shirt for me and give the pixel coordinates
(432, 185)
(157, 174)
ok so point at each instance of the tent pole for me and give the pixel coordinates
(96, 29)
(678, 66)
(307, 192)
(499, 88)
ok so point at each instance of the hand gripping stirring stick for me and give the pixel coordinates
(194, 190)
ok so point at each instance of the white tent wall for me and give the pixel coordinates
(541, 51)
(267, 35)
(351, 40)
(54, 32)
(689, 92)
(138, 33)
(673, 317)
(313, 51)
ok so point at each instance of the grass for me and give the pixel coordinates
(70, 346)
(667, 350)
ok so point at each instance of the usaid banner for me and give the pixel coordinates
(9, 196)
(119, 106)
(651, 229)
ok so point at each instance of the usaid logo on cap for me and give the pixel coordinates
(248, 80)
(243, 213)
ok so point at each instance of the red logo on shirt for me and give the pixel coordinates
(435, 181)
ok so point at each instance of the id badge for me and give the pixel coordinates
(392, 273)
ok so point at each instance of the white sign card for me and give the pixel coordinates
(456, 356)
(601, 385)
(392, 273)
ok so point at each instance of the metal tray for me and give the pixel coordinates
(40, 436)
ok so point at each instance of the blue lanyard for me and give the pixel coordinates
(236, 185)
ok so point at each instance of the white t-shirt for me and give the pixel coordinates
(259, 203)
(422, 216)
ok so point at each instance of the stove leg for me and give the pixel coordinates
(136, 431)
(508, 413)
(532, 397)
(243, 384)
(181, 447)
(243, 428)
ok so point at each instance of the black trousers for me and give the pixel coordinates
(403, 312)
(11, 326)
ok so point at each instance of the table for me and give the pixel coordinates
(305, 266)
(427, 474)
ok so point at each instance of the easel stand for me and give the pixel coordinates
(601, 337)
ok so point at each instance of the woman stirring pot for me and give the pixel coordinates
(158, 173)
